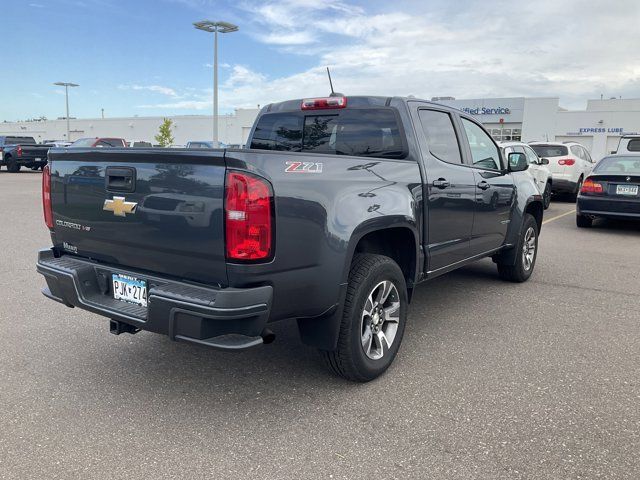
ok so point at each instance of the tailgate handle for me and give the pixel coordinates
(120, 179)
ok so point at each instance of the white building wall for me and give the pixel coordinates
(539, 119)
(232, 129)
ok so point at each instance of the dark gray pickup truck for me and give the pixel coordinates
(17, 152)
(337, 211)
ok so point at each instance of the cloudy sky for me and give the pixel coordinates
(143, 57)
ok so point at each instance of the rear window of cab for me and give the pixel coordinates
(362, 132)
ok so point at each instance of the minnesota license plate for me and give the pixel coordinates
(627, 190)
(129, 289)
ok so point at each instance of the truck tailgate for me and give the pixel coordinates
(156, 210)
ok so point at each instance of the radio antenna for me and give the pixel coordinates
(333, 94)
(330, 82)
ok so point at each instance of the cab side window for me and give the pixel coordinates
(532, 158)
(484, 152)
(577, 151)
(441, 136)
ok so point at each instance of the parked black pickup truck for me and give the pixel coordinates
(337, 211)
(16, 152)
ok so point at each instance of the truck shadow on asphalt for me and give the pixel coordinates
(153, 365)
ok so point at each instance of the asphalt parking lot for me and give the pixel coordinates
(494, 380)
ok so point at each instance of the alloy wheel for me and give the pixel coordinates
(529, 248)
(380, 320)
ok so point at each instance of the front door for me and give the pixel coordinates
(495, 191)
(449, 189)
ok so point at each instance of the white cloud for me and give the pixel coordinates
(431, 49)
(170, 92)
(181, 105)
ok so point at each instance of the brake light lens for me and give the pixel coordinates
(566, 161)
(19, 150)
(589, 186)
(323, 103)
(46, 197)
(248, 217)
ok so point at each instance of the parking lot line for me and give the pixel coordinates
(559, 216)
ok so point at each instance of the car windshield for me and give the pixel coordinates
(544, 151)
(84, 142)
(621, 164)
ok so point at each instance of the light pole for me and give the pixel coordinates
(215, 27)
(66, 86)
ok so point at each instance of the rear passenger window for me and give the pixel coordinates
(634, 145)
(441, 136)
(484, 152)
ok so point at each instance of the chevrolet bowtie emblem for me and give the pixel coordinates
(119, 206)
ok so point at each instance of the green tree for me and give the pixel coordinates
(164, 137)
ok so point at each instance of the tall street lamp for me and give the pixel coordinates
(215, 27)
(66, 86)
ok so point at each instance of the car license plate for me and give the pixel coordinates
(627, 190)
(38, 159)
(129, 289)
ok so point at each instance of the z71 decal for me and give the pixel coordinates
(303, 167)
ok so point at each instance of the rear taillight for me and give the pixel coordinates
(46, 196)
(566, 161)
(19, 150)
(589, 186)
(323, 103)
(248, 217)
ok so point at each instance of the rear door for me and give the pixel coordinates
(495, 190)
(449, 189)
(155, 210)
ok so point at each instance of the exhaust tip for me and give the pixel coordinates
(267, 336)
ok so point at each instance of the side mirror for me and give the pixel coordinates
(518, 162)
(544, 161)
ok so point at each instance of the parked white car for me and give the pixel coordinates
(628, 144)
(569, 162)
(537, 167)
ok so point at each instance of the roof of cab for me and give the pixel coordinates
(352, 101)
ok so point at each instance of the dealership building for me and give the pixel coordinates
(598, 128)
(232, 129)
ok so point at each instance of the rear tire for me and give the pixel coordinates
(526, 253)
(12, 166)
(546, 196)
(582, 221)
(578, 188)
(372, 323)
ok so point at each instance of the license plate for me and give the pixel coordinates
(38, 159)
(627, 190)
(130, 289)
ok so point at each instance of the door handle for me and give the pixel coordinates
(483, 185)
(441, 183)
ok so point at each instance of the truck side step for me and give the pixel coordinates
(231, 341)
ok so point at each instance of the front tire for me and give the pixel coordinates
(526, 253)
(546, 196)
(373, 319)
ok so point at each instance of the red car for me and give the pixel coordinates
(98, 142)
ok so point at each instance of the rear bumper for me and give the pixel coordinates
(562, 185)
(225, 318)
(608, 207)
